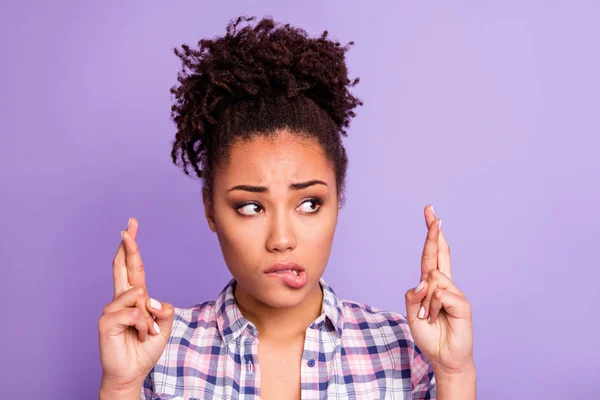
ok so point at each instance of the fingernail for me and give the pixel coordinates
(128, 223)
(432, 210)
(418, 288)
(429, 319)
(122, 238)
(155, 304)
(156, 328)
(146, 338)
(422, 312)
(440, 226)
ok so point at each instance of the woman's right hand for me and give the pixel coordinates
(131, 341)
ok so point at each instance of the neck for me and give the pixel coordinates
(279, 323)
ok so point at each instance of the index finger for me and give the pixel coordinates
(429, 259)
(120, 280)
(133, 259)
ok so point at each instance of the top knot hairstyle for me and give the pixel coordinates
(256, 81)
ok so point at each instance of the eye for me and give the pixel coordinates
(249, 209)
(316, 205)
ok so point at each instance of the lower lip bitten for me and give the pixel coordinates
(293, 278)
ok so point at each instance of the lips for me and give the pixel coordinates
(290, 273)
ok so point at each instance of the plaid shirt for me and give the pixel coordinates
(351, 351)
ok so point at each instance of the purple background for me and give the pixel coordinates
(488, 110)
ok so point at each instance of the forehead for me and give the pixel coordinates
(281, 158)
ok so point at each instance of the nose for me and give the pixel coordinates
(281, 235)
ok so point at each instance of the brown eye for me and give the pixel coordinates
(313, 206)
(249, 209)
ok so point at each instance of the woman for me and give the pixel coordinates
(263, 110)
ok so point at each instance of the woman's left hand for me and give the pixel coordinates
(438, 313)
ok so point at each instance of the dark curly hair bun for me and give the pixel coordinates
(256, 80)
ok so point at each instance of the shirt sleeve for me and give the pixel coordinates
(147, 388)
(423, 379)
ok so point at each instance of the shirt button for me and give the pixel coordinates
(311, 362)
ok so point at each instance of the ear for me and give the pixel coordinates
(208, 210)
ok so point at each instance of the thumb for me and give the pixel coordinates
(164, 313)
(414, 297)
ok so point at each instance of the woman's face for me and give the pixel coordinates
(261, 220)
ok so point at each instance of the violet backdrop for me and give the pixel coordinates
(488, 110)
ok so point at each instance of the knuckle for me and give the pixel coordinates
(101, 323)
(140, 291)
(135, 313)
(438, 294)
(169, 310)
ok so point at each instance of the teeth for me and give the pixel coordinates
(283, 271)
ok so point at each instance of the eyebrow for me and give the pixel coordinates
(263, 189)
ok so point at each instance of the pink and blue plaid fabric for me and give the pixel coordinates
(351, 351)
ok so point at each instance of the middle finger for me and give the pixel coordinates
(135, 267)
(120, 281)
(133, 259)
(444, 263)
(429, 259)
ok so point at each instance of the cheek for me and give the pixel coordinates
(319, 237)
(238, 240)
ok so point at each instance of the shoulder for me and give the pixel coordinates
(190, 320)
(387, 334)
(194, 330)
(368, 320)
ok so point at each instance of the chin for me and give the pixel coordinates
(275, 293)
(284, 299)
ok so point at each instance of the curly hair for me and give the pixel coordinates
(257, 81)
